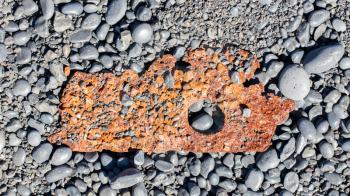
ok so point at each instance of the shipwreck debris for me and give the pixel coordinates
(150, 112)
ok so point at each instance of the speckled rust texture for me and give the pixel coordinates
(91, 117)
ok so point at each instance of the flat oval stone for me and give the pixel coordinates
(318, 17)
(91, 21)
(202, 122)
(61, 156)
(294, 82)
(59, 173)
(47, 8)
(307, 129)
(73, 8)
(127, 178)
(42, 153)
(21, 88)
(323, 58)
(115, 11)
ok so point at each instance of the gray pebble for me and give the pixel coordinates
(115, 11)
(202, 122)
(107, 191)
(229, 160)
(333, 120)
(21, 88)
(142, 33)
(102, 31)
(46, 118)
(88, 52)
(139, 158)
(214, 178)
(61, 22)
(143, 14)
(30, 7)
(127, 178)
(333, 178)
(318, 17)
(294, 82)
(61, 156)
(339, 25)
(326, 150)
(91, 8)
(59, 173)
(2, 140)
(91, 21)
(307, 128)
(14, 140)
(80, 36)
(223, 171)
(136, 67)
(179, 52)
(72, 190)
(195, 167)
(47, 8)
(274, 68)
(346, 146)
(139, 190)
(106, 61)
(21, 38)
(23, 190)
(3, 52)
(267, 160)
(13, 125)
(24, 56)
(73, 8)
(19, 157)
(291, 181)
(303, 33)
(135, 50)
(344, 63)
(228, 185)
(288, 149)
(332, 97)
(34, 138)
(207, 166)
(164, 166)
(297, 55)
(254, 179)
(323, 58)
(42, 153)
(265, 2)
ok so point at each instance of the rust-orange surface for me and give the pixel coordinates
(91, 117)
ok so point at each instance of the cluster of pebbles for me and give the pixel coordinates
(303, 47)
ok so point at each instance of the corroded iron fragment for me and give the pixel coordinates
(150, 112)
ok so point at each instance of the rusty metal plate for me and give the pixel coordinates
(155, 118)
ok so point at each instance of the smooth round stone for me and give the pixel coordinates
(106, 61)
(228, 185)
(91, 22)
(24, 56)
(46, 118)
(346, 146)
(136, 67)
(208, 165)
(107, 191)
(3, 52)
(21, 38)
(316, 18)
(80, 36)
(139, 190)
(288, 149)
(339, 25)
(142, 33)
(195, 167)
(47, 8)
(323, 58)
(127, 178)
(91, 156)
(164, 166)
(214, 178)
(88, 52)
(291, 181)
(139, 158)
(334, 178)
(21, 88)
(294, 82)
(229, 160)
(254, 179)
(196, 107)
(344, 63)
(115, 11)
(223, 171)
(143, 14)
(19, 157)
(326, 150)
(23, 190)
(267, 160)
(2, 140)
(90, 8)
(13, 125)
(307, 129)
(333, 120)
(59, 173)
(30, 7)
(73, 8)
(61, 156)
(102, 31)
(202, 122)
(42, 153)
(34, 138)
(135, 50)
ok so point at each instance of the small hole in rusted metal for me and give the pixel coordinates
(205, 117)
